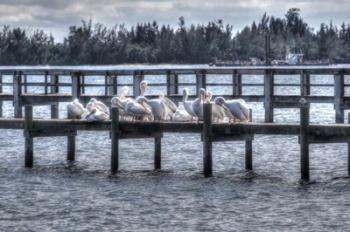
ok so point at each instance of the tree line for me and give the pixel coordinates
(90, 43)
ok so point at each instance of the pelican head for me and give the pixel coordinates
(208, 96)
(220, 101)
(124, 91)
(143, 86)
(202, 94)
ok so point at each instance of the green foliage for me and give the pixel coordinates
(91, 43)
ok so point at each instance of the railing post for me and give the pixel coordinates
(304, 83)
(207, 140)
(339, 97)
(268, 92)
(249, 148)
(138, 77)
(17, 94)
(201, 80)
(115, 140)
(304, 139)
(28, 143)
(112, 84)
(172, 83)
(54, 89)
(236, 83)
(158, 152)
(76, 86)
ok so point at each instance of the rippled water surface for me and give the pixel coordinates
(82, 196)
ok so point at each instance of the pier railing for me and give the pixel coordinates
(112, 77)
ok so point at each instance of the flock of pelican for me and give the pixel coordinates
(161, 108)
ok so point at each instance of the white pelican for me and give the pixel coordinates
(96, 115)
(121, 100)
(157, 105)
(75, 109)
(135, 109)
(182, 116)
(188, 104)
(170, 106)
(237, 107)
(94, 103)
(197, 105)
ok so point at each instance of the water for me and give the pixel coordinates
(82, 196)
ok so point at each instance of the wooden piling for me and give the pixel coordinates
(1, 114)
(71, 145)
(138, 78)
(207, 140)
(339, 97)
(54, 89)
(304, 139)
(249, 148)
(268, 92)
(157, 152)
(349, 149)
(115, 140)
(201, 80)
(172, 83)
(17, 94)
(28, 143)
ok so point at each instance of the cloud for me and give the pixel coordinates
(56, 16)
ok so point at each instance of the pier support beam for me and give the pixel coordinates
(207, 141)
(249, 148)
(28, 143)
(115, 141)
(54, 90)
(17, 93)
(201, 80)
(172, 83)
(71, 145)
(304, 140)
(138, 77)
(339, 97)
(268, 92)
(157, 152)
(349, 149)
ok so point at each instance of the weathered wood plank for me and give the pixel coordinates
(28, 143)
(207, 140)
(339, 97)
(304, 140)
(115, 141)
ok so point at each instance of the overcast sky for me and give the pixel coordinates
(56, 16)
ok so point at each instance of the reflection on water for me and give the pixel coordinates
(81, 196)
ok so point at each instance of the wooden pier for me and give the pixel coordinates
(211, 132)
(112, 76)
